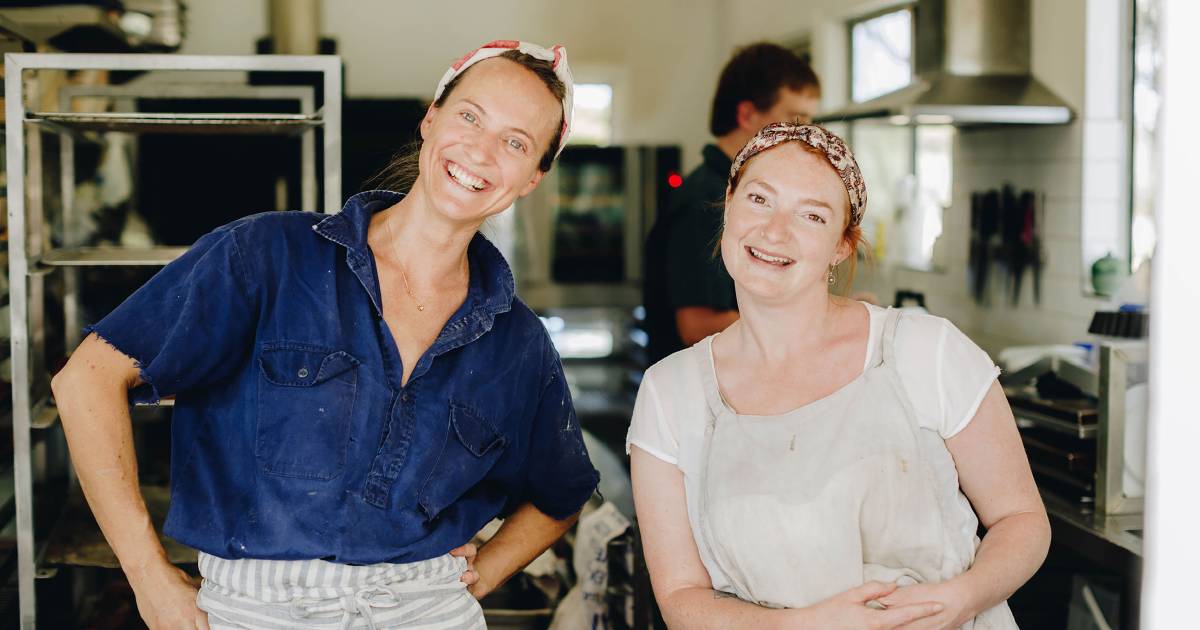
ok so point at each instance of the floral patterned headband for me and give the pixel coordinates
(828, 143)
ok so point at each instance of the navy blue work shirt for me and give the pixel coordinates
(291, 435)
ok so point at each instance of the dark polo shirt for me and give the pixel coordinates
(681, 268)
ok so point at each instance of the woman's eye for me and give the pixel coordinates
(469, 117)
(813, 216)
(516, 144)
(756, 198)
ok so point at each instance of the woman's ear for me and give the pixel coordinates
(842, 252)
(533, 182)
(427, 121)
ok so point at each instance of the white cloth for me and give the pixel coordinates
(586, 605)
(829, 506)
(250, 594)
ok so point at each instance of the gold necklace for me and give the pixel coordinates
(403, 276)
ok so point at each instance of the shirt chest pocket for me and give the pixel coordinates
(305, 401)
(471, 448)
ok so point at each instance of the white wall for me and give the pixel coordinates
(667, 52)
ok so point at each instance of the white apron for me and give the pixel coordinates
(850, 488)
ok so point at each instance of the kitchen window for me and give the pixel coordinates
(593, 123)
(881, 49)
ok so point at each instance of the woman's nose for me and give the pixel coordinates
(479, 147)
(776, 227)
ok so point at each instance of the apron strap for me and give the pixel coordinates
(706, 363)
(887, 340)
(888, 346)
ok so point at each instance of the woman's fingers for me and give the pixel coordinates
(871, 591)
(909, 595)
(902, 615)
(467, 551)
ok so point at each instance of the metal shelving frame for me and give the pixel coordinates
(28, 263)
(1114, 430)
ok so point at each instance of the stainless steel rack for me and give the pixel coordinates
(1109, 513)
(272, 124)
(74, 538)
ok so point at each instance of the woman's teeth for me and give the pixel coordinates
(774, 260)
(465, 179)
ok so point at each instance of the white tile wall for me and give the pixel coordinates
(1081, 169)
(1045, 159)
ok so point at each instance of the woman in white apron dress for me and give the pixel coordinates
(824, 463)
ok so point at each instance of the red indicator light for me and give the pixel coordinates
(674, 180)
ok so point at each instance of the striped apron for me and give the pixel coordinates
(282, 594)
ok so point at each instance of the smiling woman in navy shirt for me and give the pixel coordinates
(356, 394)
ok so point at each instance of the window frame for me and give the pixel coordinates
(911, 8)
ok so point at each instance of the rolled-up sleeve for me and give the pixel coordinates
(192, 324)
(560, 476)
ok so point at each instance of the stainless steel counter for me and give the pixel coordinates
(1124, 531)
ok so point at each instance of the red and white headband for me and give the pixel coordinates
(556, 55)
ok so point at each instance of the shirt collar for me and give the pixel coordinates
(491, 281)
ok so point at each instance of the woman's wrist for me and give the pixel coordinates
(486, 579)
(799, 618)
(481, 588)
(966, 595)
(148, 571)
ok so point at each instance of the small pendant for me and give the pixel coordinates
(420, 308)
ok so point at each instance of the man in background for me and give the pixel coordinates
(688, 295)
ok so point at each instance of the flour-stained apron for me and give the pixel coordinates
(799, 507)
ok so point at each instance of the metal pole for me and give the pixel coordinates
(308, 160)
(70, 228)
(18, 300)
(332, 131)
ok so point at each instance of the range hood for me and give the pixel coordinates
(971, 68)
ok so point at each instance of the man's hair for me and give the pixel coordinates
(756, 73)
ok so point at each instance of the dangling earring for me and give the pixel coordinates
(832, 278)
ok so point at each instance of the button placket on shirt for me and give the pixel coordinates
(393, 449)
(393, 452)
(397, 430)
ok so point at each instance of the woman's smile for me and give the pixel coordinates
(762, 256)
(466, 179)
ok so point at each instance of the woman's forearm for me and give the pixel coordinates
(524, 535)
(1010, 553)
(94, 407)
(697, 608)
